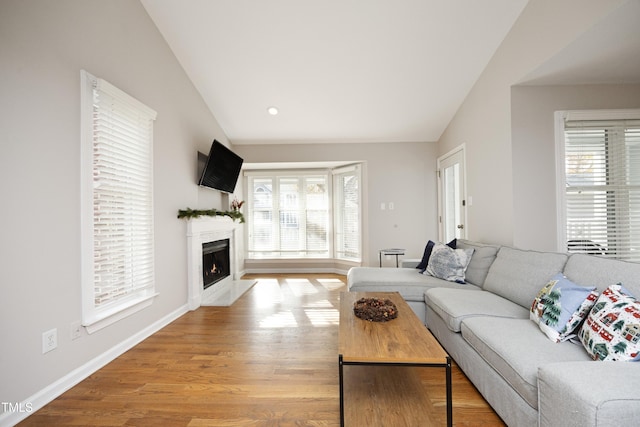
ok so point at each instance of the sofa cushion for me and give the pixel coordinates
(561, 306)
(455, 305)
(515, 349)
(407, 281)
(589, 270)
(447, 263)
(612, 329)
(518, 275)
(568, 397)
(482, 258)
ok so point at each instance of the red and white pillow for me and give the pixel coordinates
(612, 328)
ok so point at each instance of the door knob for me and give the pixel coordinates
(460, 226)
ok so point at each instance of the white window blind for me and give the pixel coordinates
(117, 184)
(602, 181)
(346, 190)
(288, 216)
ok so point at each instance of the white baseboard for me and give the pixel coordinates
(55, 389)
(295, 270)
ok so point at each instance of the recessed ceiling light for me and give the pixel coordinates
(272, 110)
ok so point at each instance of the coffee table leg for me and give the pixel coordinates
(449, 397)
(340, 373)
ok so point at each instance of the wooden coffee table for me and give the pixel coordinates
(377, 394)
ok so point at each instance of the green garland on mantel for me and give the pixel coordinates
(196, 213)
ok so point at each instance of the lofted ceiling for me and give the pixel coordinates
(364, 70)
(609, 53)
(337, 70)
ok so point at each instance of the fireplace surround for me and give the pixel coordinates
(226, 290)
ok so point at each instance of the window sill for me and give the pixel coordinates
(109, 317)
(291, 265)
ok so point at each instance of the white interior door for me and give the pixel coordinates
(452, 196)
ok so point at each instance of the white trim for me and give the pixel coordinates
(355, 169)
(330, 215)
(347, 168)
(130, 101)
(301, 261)
(561, 211)
(319, 141)
(461, 148)
(55, 389)
(587, 115)
(296, 270)
(105, 318)
(86, 190)
(287, 172)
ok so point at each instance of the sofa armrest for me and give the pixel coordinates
(409, 262)
(589, 394)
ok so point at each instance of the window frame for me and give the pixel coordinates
(560, 118)
(96, 315)
(356, 171)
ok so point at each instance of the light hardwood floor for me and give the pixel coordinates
(268, 360)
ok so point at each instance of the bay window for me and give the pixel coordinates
(291, 214)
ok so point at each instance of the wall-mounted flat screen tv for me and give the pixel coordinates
(221, 168)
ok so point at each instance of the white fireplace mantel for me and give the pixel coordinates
(225, 292)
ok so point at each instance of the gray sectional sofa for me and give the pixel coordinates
(485, 327)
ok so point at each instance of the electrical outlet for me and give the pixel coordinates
(391, 206)
(49, 340)
(76, 330)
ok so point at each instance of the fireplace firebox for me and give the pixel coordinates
(215, 262)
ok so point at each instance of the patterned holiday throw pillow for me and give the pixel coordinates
(561, 306)
(612, 329)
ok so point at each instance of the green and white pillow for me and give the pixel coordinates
(612, 329)
(561, 306)
(448, 264)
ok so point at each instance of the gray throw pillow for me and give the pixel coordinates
(449, 264)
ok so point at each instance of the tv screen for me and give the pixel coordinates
(221, 169)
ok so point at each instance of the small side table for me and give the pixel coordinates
(392, 251)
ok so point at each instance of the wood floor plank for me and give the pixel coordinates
(268, 360)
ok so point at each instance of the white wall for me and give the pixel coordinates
(533, 136)
(483, 122)
(44, 45)
(402, 173)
